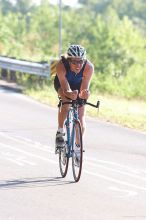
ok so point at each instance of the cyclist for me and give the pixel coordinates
(73, 78)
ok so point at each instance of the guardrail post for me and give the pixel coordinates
(13, 76)
(4, 74)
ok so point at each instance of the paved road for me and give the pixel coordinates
(113, 182)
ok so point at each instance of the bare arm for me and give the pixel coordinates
(61, 72)
(87, 75)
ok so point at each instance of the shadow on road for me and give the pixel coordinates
(33, 182)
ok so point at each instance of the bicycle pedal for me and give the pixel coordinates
(60, 147)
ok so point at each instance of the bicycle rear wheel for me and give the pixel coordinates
(77, 154)
(63, 161)
(63, 158)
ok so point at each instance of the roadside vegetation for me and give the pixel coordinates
(114, 35)
(130, 113)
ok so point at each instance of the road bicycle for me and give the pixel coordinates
(73, 147)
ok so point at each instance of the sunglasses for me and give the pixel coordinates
(75, 62)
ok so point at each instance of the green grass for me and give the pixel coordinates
(128, 113)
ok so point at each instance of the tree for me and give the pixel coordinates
(6, 6)
(24, 6)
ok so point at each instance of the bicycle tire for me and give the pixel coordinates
(77, 155)
(63, 159)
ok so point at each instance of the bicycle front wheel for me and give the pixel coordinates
(77, 154)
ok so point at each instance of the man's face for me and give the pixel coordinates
(76, 64)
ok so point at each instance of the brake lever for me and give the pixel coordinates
(98, 103)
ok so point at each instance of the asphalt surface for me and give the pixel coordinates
(113, 181)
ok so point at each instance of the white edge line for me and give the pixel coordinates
(114, 180)
(29, 154)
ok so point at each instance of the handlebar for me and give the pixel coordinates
(79, 102)
(96, 106)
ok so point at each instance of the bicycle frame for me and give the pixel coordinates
(72, 116)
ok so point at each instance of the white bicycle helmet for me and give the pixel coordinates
(76, 51)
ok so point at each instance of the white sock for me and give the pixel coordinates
(60, 130)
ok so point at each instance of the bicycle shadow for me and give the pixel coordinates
(33, 182)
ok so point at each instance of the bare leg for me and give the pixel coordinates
(81, 112)
(61, 118)
(82, 118)
(62, 113)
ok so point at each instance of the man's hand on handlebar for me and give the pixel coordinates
(71, 94)
(84, 94)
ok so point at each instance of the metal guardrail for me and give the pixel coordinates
(41, 69)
